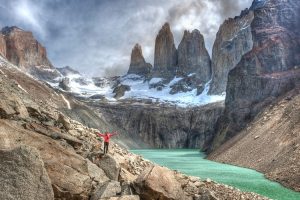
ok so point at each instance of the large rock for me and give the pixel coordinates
(165, 55)
(23, 50)
(106, 190)
(23, 175)
(120, 90)
(138, 64)
(193, 56)
(268, 71)
(158, 183)
(109, 165)
(233, 40)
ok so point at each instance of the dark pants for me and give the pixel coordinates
(106, 147)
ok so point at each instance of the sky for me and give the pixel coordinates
(96, 36)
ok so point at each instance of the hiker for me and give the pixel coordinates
(106, 136)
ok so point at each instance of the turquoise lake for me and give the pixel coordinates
(192, 162)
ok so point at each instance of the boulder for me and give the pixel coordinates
(64, 84)
(165, 55)
(106, 190)
(120, 90)
(126, 197)
(12, 105)
(158, 183)
(138, 64)
(109, 165)
(23, 175)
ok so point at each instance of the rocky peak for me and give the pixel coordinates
(138, 64)
(193, 56)
(23, 50)
(67, 70)
(165, 55)
(233, 40)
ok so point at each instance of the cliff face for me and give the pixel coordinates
(23, 50)
(165, 55)
(233, 40)
(268, 71)
(169, 127)
(193, 56)
(138, 64)
(2, 46)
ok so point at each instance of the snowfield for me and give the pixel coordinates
(139, 89)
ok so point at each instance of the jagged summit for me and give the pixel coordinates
(23, 50)
(8, 29)
(193, 56)
(138, 64)
(165, 55)
(67, 70)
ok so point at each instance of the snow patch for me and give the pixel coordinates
(155, 80)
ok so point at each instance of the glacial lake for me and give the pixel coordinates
(192, 162)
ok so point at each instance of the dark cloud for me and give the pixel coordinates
(96, 36)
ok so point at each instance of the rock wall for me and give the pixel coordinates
(268, 71)
(165, 55)
(138, 64)
(165, 127)
(233, 40)
(193, 56)
(2, 46)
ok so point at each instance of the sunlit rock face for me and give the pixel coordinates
(2, 46)
(165, 55)
(269, 70)
(233, 40)
(24, 51)
(138, 64)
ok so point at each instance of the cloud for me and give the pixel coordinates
(96, 37)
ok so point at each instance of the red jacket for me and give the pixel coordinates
(106, 136)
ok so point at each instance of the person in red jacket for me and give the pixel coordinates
(106, 136)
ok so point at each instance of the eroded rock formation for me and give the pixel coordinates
(165, 55)
(138, 64)
(233, 40)
(193, 56)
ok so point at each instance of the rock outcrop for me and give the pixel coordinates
(23, 175)
(120, 90)
(165, 55)
(2, 46)
(233, 40)
(268, 71)
(23, 50)
(138, 64)
(159, 183)
(193, 56)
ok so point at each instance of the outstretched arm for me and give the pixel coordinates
(99, 134)
(114, 133)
